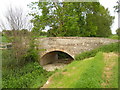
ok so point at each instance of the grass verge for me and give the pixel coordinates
(110, 74)
(79, 74)
(115, 36)
(113, 47)
(88, 73)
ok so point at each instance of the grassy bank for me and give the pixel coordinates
(97, 71)
(92, 76)
(113, 47)
(4, 39)
(114, 36)
(80, 74)
(18, 74)
(110, 74)
(29, 76)
(87, 73)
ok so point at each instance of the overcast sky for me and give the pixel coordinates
(4, 4)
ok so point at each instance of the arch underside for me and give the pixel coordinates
(51, 57)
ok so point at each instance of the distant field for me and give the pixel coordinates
(95, 72)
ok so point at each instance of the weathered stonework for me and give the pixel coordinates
(70, 45)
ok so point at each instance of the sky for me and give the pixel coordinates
(4, 4)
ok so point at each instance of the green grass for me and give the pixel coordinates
(42, 36)
(29, 76)
(80, 74)
(8, 60)
(92, 76)
(114, 76)
(87, 73)
(115, 36)
(4, 39)
(113, 47)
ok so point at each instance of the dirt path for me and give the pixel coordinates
(109, 64)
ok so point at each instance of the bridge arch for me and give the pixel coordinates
(53, 56)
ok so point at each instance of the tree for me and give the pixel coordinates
(102, 22)
(16, 19)
(19, 35)
(117, 7)
(118, 31)
(72, 18)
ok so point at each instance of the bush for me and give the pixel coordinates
(31, 75)
(118, 31)
(22, 52)
(31, 56)
(115, 36)
(7, 58)
(113, 47)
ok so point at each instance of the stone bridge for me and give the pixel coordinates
(69, 45)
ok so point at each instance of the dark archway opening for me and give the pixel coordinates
(56, 59)
(64, 57)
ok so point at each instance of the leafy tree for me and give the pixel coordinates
(98, 20)
(72, 18)
(118, 31)
(117, 7)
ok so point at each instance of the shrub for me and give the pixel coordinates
(113, 47)
(118, 31)
(115, 36)
(31, 75)
(22, 51)
(31, 56)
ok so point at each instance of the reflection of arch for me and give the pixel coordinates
(52, 56)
